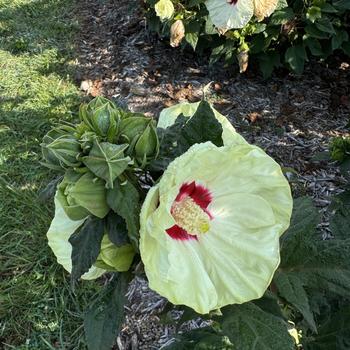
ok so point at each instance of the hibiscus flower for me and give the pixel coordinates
(210, 228)
(164, 9)
(228, 14)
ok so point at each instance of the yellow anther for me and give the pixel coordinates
(190, 216)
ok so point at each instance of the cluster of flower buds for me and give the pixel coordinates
(100, 117)
(66, 146)
(107, 142)
(139, 132)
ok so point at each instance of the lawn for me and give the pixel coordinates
(37, 307)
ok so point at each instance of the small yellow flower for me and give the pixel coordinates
(164, 9)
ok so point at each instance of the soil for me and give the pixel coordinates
(292, 118)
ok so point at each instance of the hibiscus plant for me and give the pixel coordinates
(207, 219)
(270, 33)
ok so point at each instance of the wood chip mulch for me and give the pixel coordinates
(291, 118)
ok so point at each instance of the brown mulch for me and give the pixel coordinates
(292, 118)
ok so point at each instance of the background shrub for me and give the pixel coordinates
(295, 32)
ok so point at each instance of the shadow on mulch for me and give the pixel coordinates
(291, 118)
(120, 59)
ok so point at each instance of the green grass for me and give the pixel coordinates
(37, 307)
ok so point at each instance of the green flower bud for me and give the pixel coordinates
(60, 148)
(100, 101)
(113, 258)
(82, 195)
(147, 146)
(140, 133)
(132, 127)
(87, 140)
(100, 116)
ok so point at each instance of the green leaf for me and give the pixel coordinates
(49, 191)
(340, 221)
(333, 334)
(107, 161)
(124, 200)
(325, 25)
(295, 56)
(320, 304)
(282, 16)
(314, 32)
(154, 23)
(344, 167)
(178, 138)
(86, 244)
(192, 30)
(328, 8)
(268, 61)
(269, 303)
(103, 319)
(305, 218)
(318, 264)
(346, 48)
(116, 229)
(281, 4)
(201, 339)
(249, 327)
(216, 53)
(314, 46)
(339, 38)
(257, 44)
(202, 127)
(291, 288)
(192, 39)
(259, 28)
(326, 266)
(342, 4)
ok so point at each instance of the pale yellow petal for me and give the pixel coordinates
(164, 9)
(61, 228)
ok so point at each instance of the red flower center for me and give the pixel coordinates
(190, 212)
(232, 2)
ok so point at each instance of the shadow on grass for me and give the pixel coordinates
(37, 307)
